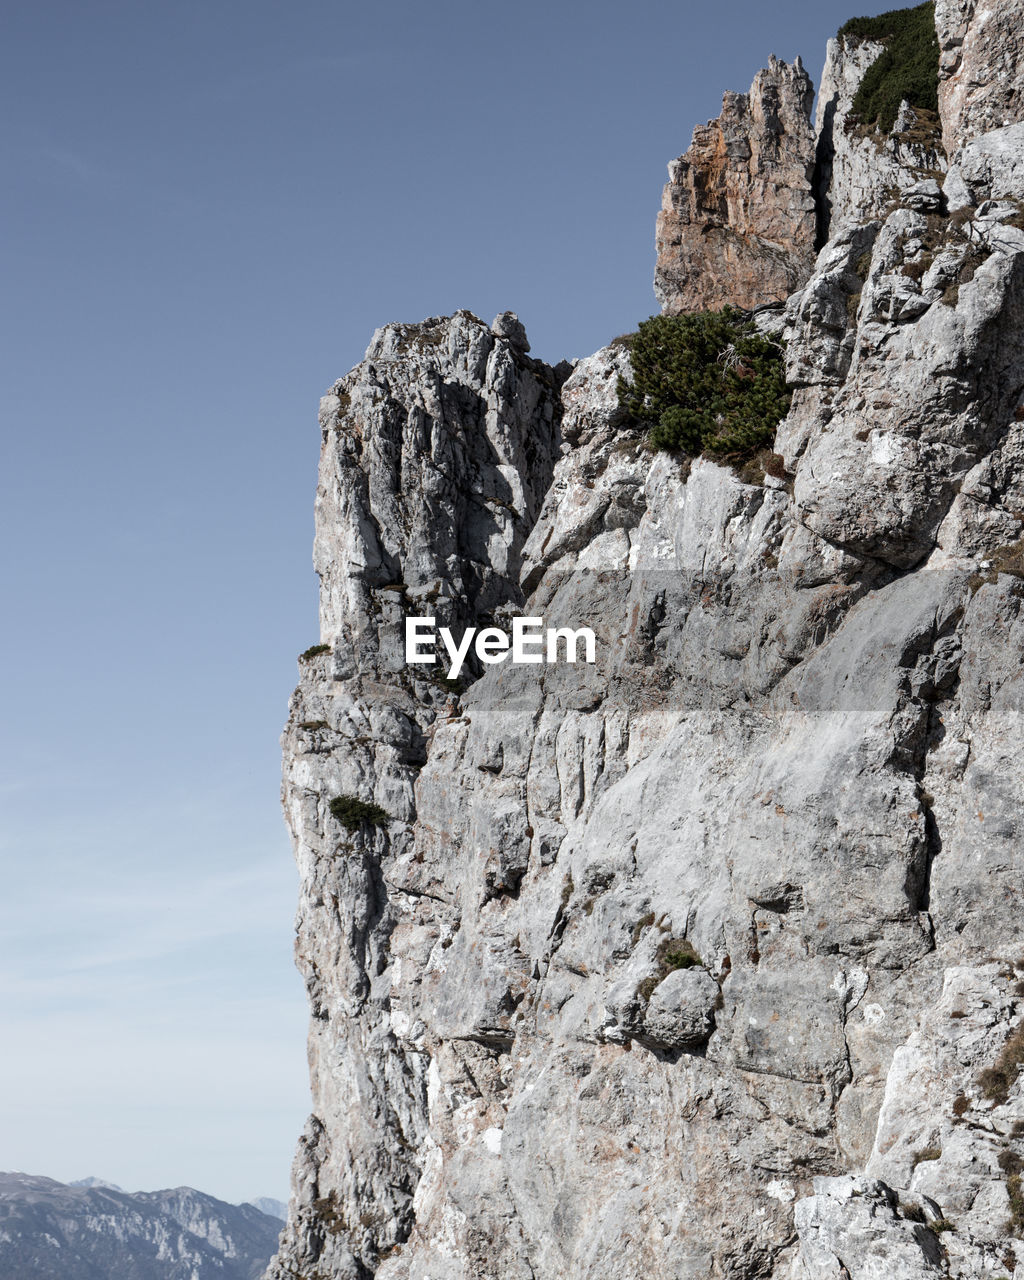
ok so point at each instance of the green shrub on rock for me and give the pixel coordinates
(707, 382)
(908, 68)
(352, 812)
(679, 953)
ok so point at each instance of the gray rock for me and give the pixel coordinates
(990, 167)
(593, 505)
(850, 1228)
(509, 326)
(981, 68)
(861, 173)
(680, 1013)
(798, 753)
(436, 453)
(923, 197)
(914, 400)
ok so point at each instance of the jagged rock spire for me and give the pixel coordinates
(737, 221)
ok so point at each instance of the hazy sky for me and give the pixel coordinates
(208, 208)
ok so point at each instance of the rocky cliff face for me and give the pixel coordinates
(705, 960)
(981, 74)
(860, 172)
(92, 1229)
(437, 452)
(737, 219)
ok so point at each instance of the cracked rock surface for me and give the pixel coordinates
(704, 960)
(737, 217)
(861, 172)
(981, 69)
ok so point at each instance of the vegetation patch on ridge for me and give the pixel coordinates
(908, 68)
(707, 382)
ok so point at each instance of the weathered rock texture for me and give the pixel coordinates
(692, 963)
(989, 167)
(981, 76)
(437, 452)
(861, 172)
(737, 221)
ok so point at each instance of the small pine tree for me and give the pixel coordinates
(907, 69)
(706, 382)
(352, 812)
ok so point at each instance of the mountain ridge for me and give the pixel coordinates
(51, 1230)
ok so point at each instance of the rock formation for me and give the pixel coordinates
(981, 73)
(704, 960)
(437, 452)
(859, 170)
(737, 219)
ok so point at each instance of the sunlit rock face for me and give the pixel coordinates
(861, 173)
(702, 960)
(981, 72)
(737, 221)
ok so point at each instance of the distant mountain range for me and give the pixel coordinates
(92, 1230)
(271, 1207)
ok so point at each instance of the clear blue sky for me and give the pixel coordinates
(208, 208)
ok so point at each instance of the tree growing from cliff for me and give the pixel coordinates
(907, 69)
(707, 382)
(352, 812)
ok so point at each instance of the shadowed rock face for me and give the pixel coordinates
(737, 221)
(689, 964)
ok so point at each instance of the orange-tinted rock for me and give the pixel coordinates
(737, 222)
(981, 68)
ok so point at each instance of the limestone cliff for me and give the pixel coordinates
(705, 960)
(737, 219)
(981, 74)
(860, 170)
